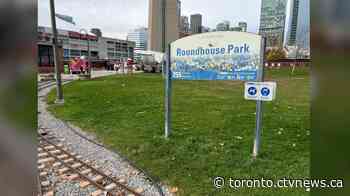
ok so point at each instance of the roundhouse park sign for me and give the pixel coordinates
(225, 55)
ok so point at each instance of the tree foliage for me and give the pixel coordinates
(275, 54)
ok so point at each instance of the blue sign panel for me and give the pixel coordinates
(265, 91)
(216, 56)
(252, 91)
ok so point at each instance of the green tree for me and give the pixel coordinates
(275, 54)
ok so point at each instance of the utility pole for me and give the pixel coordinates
(163, 4)
(89, 61)
(163, 26)
(59, 98)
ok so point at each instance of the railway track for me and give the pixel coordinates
(45, 84)
(56, 162)
(70, 167)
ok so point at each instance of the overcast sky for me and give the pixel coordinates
(116, 17)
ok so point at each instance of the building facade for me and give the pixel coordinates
(297, 36)
(140, 37)
(159, 29)
(223, 26)
(236, 29)
(272, 22)
(116, 49)
(292, 22)
(243, 26)
(184, 24)
(303, 30)
(75, 44)
(196, 23)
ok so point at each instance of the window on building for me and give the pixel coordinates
(66, 53)
(94, 54)
(75, 52)
(84, 53)
(45, 54)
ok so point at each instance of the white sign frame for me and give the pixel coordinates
(255, 91)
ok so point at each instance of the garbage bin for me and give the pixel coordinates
(66, 69)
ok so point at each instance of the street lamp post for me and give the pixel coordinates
(59, 98)
(88, 50)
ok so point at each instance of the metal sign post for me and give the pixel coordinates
(258, 121)
(167, 101)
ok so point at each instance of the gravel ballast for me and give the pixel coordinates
(102, 158)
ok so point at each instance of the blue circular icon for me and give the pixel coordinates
(265, 91)
(252, 91)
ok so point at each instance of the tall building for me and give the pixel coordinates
(292, 22)
(223, 26)
(243, 26)
(272, 22)
(178, 2)
(160, 29)
(184, 24)
(303, 31)
(196, 23)
(297, 34)
(140, 37)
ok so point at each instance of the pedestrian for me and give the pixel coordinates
(116, 67)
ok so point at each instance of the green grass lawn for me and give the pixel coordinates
(213, 128)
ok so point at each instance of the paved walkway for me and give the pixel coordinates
(94, 74)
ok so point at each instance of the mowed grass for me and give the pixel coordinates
(212, 132)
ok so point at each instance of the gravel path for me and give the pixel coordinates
(106, 160)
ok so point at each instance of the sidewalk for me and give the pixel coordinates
(94, 74)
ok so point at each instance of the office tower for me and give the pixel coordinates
(243, 26)
(184, 24)
(163, 23)
(196, 23)
(292, 22)
(140, 37)
(223, 26)
(272, 22)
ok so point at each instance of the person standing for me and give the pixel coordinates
(115, 67)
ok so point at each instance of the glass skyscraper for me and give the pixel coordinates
(140, 37)
(272, 22)
(293, 23)
(297, 34)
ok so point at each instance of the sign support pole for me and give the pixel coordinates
(259, 113)
(167, 101)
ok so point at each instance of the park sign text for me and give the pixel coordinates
(217, 56)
